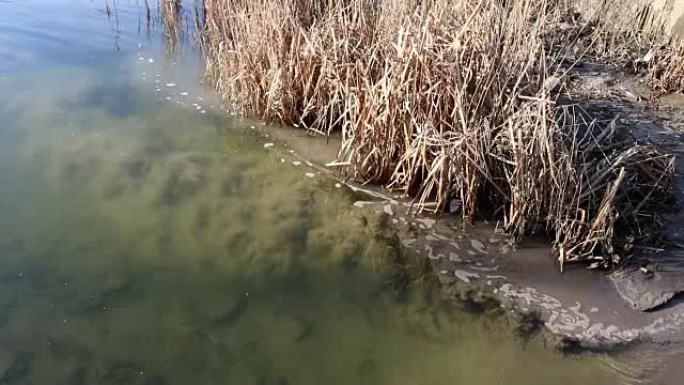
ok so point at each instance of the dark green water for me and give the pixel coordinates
(145, 242)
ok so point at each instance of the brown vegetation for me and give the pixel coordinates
(666, 67)
(451, 102)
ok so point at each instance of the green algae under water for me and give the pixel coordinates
(144, 243)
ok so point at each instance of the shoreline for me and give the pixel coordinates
(539, 177)
(480, 265)
(576, 311)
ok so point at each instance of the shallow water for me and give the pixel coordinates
(147, 238)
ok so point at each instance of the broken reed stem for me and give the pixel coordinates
(443, 101)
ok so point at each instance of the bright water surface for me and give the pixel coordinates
(145, 242)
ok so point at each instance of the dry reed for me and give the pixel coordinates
(449, 102)
(666, 67)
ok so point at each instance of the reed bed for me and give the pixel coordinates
(450, 102)
(666, 67)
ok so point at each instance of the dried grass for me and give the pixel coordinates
(448, 102)
(666, 67)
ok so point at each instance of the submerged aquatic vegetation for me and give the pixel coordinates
(448, 102)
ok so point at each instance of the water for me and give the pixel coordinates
(143, 241)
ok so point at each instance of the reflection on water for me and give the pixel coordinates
(144, 243)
